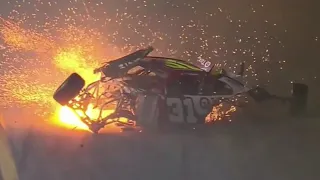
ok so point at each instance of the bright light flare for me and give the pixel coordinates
(68, 118)
(71, 119)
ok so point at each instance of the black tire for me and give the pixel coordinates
(299, 99)
(69, 89)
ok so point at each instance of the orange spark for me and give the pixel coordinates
(75, 49)
(219, 112)
(21, 39)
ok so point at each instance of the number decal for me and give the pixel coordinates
(190, 116)
(125, 65)
(189, 109)
(176, 114)
(203, 62)
(181, 110)
(202, 104)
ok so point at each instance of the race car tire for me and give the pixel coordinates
(69, 89)
(299, 99)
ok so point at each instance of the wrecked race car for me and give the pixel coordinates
(153, 92)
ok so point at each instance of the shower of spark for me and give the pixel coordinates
(43, 41)
(73, 49)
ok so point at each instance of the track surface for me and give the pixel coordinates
(248, 150)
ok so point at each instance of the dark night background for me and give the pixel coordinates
(279, 39)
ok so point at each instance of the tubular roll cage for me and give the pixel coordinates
(92, 95)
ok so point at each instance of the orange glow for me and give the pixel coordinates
(74, 60)
(76, 53)
(18, 38)
(58, 52)
(69, 119)
(219, 112)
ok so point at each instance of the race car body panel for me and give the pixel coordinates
(119, 67)
(192, 95)
(237, 86)
(148, 111)
(189, 109)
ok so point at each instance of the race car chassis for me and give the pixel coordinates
(112, 97)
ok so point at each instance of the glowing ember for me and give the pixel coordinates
(220, 112)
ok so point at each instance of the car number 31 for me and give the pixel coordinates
(189, 108)
(181, 110)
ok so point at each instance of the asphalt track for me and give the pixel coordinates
(247, 148)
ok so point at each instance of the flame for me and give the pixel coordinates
(69, 118)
